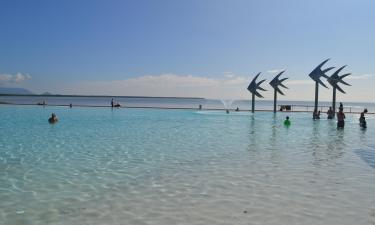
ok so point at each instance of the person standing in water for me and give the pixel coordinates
(341, 107)
(330, 113)
(112, 103)
(362, 119)
(316, 115)
(340, 118)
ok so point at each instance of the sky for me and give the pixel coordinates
(195, 48)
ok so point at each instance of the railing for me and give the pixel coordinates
(323, 109)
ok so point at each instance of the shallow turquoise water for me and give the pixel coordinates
(135, 166)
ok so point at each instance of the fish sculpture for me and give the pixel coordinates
(253, 87)
(335, 79)
(275, 84)
(318, 72)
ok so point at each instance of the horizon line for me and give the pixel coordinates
(165, 97)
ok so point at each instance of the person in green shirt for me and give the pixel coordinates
(287, 121)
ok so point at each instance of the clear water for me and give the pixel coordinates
(134, 166)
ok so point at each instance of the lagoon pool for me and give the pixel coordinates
(138, 166)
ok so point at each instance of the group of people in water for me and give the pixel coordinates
(53, 118)
(340, 117)
(316, 115)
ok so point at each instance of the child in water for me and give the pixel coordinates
(287, 121)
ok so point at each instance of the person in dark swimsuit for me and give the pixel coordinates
(340, 119)
(362, 119)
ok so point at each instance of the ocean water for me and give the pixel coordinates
(183, 103)
(150, 166)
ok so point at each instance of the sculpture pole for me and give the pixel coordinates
(274, 100)
(316, 96)
(334, 102)
(252, 103)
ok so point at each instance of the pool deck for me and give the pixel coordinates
(161, 107)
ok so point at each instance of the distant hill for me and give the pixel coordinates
(47, 93)
(15, 91)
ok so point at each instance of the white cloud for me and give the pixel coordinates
(168, 85)
(275, 70)
(360, 77)
(299, 82)
(223, 87)
(15, 78)
(229, 74)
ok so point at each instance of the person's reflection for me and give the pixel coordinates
(252, 134)
(329, 147)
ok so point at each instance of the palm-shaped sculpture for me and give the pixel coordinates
(253, 88)
(333, 80)
(316, 74)
(275, 83)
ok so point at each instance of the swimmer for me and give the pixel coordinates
(237, 109)
(287, 121)
(362, 119)
(316, 115)
(330, 113)
(53, 118)
(340, 118)
(227, 111)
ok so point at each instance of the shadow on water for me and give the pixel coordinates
(367, 155)
(366, 152)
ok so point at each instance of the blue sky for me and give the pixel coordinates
(209, 48)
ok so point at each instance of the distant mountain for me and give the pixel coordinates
(15, 91)
(47, 93)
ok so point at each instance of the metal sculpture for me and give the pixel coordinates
(253, 88)
(275, 83)
(333, 80)
(316, 74)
